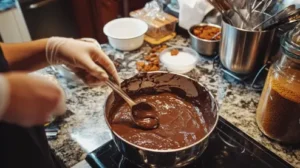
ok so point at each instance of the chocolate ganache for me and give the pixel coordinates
(180, 122)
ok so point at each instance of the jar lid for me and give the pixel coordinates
(291, 42)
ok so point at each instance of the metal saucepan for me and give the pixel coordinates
(244, 51)
(203, 46)
(149, 83)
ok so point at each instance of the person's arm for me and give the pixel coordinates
(84, 56)
(28, 100)
(27, 56)
(20, 92)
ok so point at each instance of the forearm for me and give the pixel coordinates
(27, 56)
(20, 90)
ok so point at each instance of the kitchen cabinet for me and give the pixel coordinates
(83, 17)
(104, 11)
(13, 28)
(92, 15)
(47, 18)
(130, 5)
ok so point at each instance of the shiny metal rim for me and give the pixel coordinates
(204, 24)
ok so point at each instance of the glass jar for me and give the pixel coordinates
(278, 112)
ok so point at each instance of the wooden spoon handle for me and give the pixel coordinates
(121, 93)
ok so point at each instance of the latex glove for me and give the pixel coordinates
(84, 57)
(28, 100)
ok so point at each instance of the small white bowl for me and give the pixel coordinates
(183, 62)
(126, 34)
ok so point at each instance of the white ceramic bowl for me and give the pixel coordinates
(125, 34)
(184, 62)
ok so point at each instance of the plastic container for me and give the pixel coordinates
(153, 41)
(183, 62)
(158, 27)
(125, 34)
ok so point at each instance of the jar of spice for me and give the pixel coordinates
(278, 112)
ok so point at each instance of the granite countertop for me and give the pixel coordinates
(83, 128)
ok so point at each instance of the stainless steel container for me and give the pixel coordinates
(149, 83)
(243, 51)
(202, 46)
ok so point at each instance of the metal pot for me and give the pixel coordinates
(203, 46)
(244, 51)
(149, 83)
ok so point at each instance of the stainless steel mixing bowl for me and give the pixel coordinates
(244, 51)
(202, 46)
(149, 83)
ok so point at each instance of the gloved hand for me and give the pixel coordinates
(84, 57)
(28, 100)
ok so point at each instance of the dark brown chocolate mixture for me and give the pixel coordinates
(145, 116)
(181, 124)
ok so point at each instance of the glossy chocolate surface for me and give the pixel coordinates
(180, 123)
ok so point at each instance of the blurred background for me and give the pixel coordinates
(26, 20)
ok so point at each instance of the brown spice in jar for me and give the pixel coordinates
(278, 112)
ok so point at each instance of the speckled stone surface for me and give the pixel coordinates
(83, 128)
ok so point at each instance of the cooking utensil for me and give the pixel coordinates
(294, 16)
(222, 4)
(278, 15)
(222, 7)
(142, 114)
(216, 35)
(236, 10)
(285, 28)
(249, 9)
(243, 51)
(125, 33)
(289, 20)
(253, 5)
(240, 4)
(202, 46)
(147, 83)
(256, 6)
(267, 3)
